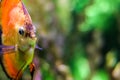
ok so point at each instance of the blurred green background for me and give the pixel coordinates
(80, 39)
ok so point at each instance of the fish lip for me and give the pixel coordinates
(33, 35)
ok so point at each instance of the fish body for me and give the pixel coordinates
(18, 33)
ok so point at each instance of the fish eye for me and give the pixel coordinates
(21, 31)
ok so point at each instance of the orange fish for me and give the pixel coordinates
(18, 38)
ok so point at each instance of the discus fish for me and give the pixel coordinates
(18, 38)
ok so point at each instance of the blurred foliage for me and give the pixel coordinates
(80, 39)
(100, 75)
(79, 5)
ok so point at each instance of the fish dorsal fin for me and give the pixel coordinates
(9, 2)
(6, 5)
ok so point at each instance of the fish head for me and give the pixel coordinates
(17, 26)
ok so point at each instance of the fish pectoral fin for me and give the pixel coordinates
(32, 69)
(39, 48)
(6, 49)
